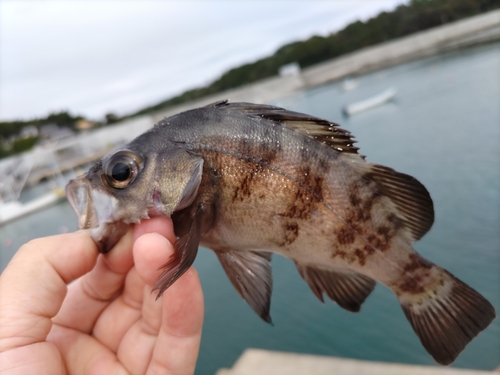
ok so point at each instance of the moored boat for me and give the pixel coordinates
(371, 102)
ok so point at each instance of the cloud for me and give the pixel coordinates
(92, 57)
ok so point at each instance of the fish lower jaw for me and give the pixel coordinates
(155, 211)
(137, 220)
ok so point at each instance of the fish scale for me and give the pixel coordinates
(249, 180)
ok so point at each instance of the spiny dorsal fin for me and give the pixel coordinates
(348, 289)
(323, 131)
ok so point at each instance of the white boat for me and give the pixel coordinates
(13, 210)
(369, 103)
(349, 84)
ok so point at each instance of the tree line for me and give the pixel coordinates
(12, 129)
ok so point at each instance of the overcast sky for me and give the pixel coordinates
(95, 57)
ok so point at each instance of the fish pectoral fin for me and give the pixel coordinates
(250, 274)
(185, 250)
(348, 289)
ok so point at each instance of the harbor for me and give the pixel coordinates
(54, 165)
(70, 154)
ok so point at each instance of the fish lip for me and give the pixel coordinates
(78, 194)
(95, 208)
(92, 207)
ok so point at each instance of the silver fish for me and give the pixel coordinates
(248, 180)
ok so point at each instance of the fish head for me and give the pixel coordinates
(128, 185)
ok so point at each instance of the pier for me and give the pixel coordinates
(266, 362)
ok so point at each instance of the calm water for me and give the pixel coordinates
(443, 129)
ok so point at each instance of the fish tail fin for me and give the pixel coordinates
(445, 313)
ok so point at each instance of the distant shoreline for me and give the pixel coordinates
(484, 28)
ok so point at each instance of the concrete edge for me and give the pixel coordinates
(264, 362)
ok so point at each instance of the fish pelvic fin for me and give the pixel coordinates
(348, 289)
(185, 251)
(250, 274)
(445, 313)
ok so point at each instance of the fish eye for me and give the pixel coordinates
(121, 170)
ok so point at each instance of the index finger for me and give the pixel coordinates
(33, 285)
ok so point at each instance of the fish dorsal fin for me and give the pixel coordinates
(348, 289)
(328, 133)
(411, 202)
(324, 131)
(250, 274)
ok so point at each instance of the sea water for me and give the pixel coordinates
(444, 129)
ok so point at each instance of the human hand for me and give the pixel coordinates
(107, 321)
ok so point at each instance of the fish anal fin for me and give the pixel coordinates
(447, 317)
(348, 289)
(250, 274)
(185, 251)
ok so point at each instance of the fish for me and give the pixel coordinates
(250, 180)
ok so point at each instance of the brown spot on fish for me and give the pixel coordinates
(416, 275)
(339, 253)
(362, 198)
(413, 284)
(416, 262)
(312, 180)
(349, 257)
(259, 152)
(354, 198)
(291, 233)
(244, 189)
(369, 250)
(381, 238)
(308, 194)
(268, 153)
(345, 236)
(361, 256)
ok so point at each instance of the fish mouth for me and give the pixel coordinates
(94, 210)
(80, 199)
